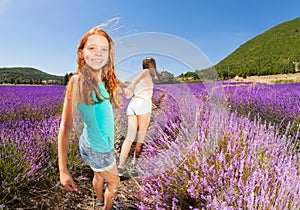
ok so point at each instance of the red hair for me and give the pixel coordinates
(88, 81)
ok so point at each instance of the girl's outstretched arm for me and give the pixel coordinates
(63, 137)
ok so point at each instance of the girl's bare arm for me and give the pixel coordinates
(63, 136)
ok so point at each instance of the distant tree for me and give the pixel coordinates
(192, 75)
(167, 77)
(66, 79)
(181, 75)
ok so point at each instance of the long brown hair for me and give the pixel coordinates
(150, 63)
(88, 81)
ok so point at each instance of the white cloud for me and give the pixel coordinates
(111, 25)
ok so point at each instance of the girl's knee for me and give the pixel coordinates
(114, 183)
(111, 191)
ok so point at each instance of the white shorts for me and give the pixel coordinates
(139, 106)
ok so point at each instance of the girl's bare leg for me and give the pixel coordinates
(131, 133)
(113, 180)
(143, 122)
(98, 183)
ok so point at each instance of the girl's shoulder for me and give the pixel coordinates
(72, 86)
(74, 79)
(146, 72)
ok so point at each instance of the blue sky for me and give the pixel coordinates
(44, 33)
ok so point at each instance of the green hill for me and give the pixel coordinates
(23, 75)
(272, 52)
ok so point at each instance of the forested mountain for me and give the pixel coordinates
(272, 52)
(23, 75)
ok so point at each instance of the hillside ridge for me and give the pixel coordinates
(271, 52)
(27, 75)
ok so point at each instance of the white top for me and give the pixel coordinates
(142, 86)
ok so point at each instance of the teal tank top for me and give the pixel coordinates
(98, 122)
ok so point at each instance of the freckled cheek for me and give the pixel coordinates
(106, 56)
(87, 57)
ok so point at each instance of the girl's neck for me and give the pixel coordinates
(96, 73)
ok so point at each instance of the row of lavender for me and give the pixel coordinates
(197, 152)
(212, 158)
(278, 103)
(29, 123)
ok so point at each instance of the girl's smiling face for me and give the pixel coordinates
(96, 51)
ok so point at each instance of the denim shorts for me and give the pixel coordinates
(139, 106)
(98, 161)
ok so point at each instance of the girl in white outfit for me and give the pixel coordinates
(139, 110)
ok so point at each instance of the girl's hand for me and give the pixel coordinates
(153, 106)
(67, 181)
(128, 93)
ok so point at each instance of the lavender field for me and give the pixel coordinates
(223, 146)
